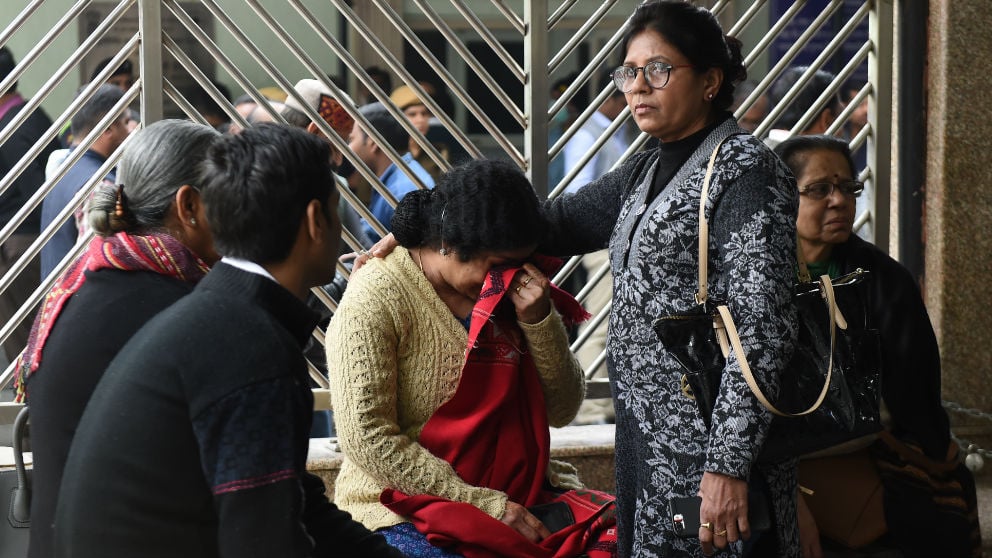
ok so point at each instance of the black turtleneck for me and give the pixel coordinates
(674, 154)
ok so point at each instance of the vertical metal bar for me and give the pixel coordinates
(880, 32)
(150, 60)
(912, 133)
(537, 93)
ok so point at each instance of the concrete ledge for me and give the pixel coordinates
(588, 448)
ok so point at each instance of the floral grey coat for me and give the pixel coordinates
(663, 447)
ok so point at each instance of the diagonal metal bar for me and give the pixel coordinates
(773, 33)
(588, 71)
(719, 7)
(580, 34)
(746, 17)
(202, 80)
(32, 251)
(835, 43)
(832, 90)
(315, 68)
(46, 41)
(18, 21)
(46, 89)
(235, 72)
(456, 87)
(559, 14)
(285, 84)
(515, 20)
(787, 58)
(606, 136)
(490, 39)
(383, 96)
(472, 62)
(52, 132)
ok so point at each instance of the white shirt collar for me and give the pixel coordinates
(245, 265)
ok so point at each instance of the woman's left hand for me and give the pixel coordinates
(723, 513)
(530, 291)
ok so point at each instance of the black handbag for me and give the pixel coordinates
(15, 486)
(829, 393)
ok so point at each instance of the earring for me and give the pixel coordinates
(192, 221)
(709, 97)
(443, 251)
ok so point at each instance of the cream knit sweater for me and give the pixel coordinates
(395, 353)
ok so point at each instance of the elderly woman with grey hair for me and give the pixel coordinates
(153, 244)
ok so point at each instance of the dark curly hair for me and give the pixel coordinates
(696, 33)
(480, 206)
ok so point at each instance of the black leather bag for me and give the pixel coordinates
(15, 487)
(849, 408)
(830, 392)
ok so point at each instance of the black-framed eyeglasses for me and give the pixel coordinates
(655, 73)
(821, 190)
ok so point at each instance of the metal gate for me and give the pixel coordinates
(497, 61)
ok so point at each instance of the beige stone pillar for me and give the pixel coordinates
(958, 210)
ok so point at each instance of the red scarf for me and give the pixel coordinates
(159, 253)
(494, 433)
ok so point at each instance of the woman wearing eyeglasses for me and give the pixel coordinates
(678, 75)
(924, 483)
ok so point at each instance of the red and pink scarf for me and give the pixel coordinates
(494, 432)
(158, 253)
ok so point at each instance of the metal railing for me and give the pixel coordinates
(256, 43)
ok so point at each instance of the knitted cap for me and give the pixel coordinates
(321, 99)
(404, 96)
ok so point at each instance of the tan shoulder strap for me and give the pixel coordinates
(734, 340)
(704, 229)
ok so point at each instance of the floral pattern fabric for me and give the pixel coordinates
(662, 445)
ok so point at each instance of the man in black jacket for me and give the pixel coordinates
(21, 141)
(195, 441)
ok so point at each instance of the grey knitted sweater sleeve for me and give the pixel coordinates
(583, 222)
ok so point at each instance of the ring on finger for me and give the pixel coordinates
(517, 290)
(706, 525)
(721, 533)
(527, 280)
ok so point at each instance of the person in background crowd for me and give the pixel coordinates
(106, 143)
(757, 112)
(122, 77)
(590, 132)
(195, 441)
(819, 82)
(152, 245)
(210, 109)
(420, 116)
(381, 77)
(21, 141)
(371, 153)
(924, 482)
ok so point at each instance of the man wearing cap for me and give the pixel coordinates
(425, 122)
(372, 154)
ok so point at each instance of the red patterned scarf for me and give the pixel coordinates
(159, 253)
(494, 432)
